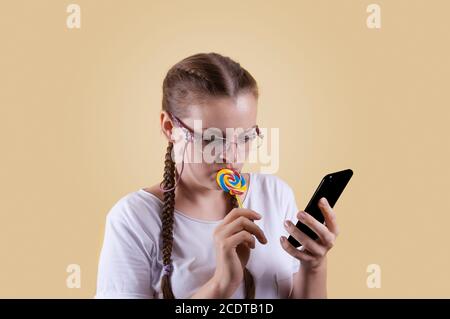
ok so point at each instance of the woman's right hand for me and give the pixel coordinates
(233, 239)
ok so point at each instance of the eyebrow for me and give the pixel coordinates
(207, 128)
(243, 129)
(224, 133)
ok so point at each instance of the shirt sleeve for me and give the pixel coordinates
(124, 269)
(291, 214)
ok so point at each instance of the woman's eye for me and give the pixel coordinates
(247, 138)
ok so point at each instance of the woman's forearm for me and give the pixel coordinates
(310, 283)
(210, 290)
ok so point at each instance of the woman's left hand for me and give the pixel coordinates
(313, 253)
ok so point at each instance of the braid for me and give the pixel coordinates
(167, 220)
(248, 277)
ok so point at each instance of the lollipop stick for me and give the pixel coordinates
(239, 201)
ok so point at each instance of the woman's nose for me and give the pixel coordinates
(229, 154)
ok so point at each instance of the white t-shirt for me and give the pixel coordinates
(130, 263)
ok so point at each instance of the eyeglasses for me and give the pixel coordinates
(212, 141)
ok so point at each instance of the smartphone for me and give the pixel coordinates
(331, 187)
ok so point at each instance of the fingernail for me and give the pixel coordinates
(323, 200)
(302, 215)
(287, 223)
(282, 239)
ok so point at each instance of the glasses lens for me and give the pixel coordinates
(214, 145)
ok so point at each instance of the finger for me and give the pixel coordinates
(326, 237)
(329, 215)
(311, 245)
(243, 223)
(239, 238)
(237, 212)
(291, 250)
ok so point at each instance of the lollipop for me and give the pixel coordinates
(232, 182)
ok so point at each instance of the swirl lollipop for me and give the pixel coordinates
(232, 182)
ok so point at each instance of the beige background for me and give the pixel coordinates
(79, 126)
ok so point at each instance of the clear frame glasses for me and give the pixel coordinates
(212, 142)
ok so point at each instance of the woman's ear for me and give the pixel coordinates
(166, 125)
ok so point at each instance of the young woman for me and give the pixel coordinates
(185, 237)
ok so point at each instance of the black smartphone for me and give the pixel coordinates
(331, 187)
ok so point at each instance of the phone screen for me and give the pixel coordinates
(331, 187)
